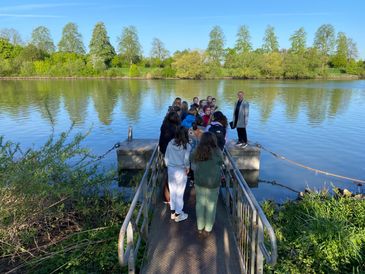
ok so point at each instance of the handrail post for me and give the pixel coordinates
(145, 210)
(130, 133)
(131, 266)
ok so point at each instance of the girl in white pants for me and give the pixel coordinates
(177, 162)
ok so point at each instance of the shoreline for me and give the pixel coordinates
(2, 78)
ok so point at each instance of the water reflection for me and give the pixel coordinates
(18, 97)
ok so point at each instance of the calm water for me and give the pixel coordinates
(316, 123)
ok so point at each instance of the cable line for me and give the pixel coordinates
(354, 180)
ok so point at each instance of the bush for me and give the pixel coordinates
(56, 213)
(134, 71)
(319, 234)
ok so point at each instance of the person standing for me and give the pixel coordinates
(208, 159)
(240, 119)
(177, 162)
(167, 133)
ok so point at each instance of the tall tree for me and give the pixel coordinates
(12, 35)
(129, 45)
(340, 58)
(41, 38)
(324, 39)
(243, 42)
(158, 50)
(298, 41)
(352, 51)
(71, 40)
(100, 47)
(215, 48)
(270, 40)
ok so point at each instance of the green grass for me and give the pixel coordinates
(319, 234)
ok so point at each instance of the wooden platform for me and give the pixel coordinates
(176, 248)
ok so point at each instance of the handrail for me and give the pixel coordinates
(127, 252)
(251, 226)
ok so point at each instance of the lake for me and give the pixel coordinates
(320, 124)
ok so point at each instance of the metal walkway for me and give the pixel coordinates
(176, 248)
(241, 240)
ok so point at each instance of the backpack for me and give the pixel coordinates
(220, 133)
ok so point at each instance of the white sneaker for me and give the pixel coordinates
(181, 217)
(173, 216)
(244, 145)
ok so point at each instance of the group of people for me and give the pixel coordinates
(192, 139)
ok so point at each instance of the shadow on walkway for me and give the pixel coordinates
(176, 248)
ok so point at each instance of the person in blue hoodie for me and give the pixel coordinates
(189, 118)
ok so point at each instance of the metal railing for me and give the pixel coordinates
(135, 226)
(254, 235)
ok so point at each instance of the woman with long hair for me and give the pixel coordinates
(177, 162)
(208, 159)
(167, 132)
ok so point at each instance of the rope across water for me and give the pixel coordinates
(354, 180)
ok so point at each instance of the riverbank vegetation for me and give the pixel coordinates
(319, 234)
(330, 56)
(56, 212)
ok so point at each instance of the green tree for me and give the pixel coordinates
(352, 51)
(339, 60)
(6, 49)
(243, 42)
(71, 40)
(272, 65)
(270, 40)
(190, 64)
(215, 48)
(12, 35)
(298, 41)
(158, 50)
(129, 45)
(324, 39)
(41, 38)
(295, 66)
(101, 50)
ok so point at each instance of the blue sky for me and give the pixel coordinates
(186, 24)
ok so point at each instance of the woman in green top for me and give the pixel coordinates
(208, 159)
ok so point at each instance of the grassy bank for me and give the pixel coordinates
(56, 214)
(319, 234)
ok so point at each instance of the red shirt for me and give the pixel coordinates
(206, 119)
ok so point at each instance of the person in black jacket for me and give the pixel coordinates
(218, 126)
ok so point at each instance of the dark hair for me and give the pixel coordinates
(196, 106)
(184, 106)
(172, 117)
(207, 144)
(195, 98)
(198, 122)
(181, 137)
(192, 110)
(205, 107)
(218, 116)
(176, 100)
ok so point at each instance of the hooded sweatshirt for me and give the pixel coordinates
(177, 156)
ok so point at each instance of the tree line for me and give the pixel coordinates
(331, 54)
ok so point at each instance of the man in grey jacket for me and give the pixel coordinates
(240, 119)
